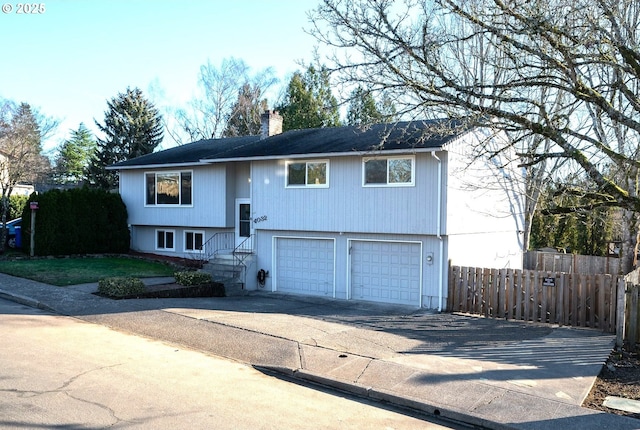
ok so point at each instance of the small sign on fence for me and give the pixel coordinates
(548, 282)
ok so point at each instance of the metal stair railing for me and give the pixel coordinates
(242, 252)
(221, 241)
(226, 241)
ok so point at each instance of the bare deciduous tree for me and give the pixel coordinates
(560, 76)
(21, 161)
(207, 114)
(244, 119)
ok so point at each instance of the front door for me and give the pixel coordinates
(244, 225)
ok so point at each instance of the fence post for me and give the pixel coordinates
(451, 289)
(632, 338)
(620, 311)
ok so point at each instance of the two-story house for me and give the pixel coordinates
(369, 214)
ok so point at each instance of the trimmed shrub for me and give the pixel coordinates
(121, 286)
(189, 278)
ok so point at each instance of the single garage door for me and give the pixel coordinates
(305, 266)
(386, 272)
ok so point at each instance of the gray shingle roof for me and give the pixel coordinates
(403, 136)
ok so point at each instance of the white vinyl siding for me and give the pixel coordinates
(347, 205)
(210, 206)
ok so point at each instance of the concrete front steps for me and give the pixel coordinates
(224, 268)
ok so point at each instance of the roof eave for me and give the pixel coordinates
(157, 166)
(321, 155)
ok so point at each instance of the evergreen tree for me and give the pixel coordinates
(74, 156)
(244, 119)
(308, 102)
(132, 127)
(363, 109)
(586, 232)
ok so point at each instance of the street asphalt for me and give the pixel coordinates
(484, 372)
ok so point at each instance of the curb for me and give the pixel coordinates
(389, 397)
(24, 300)
(436, 411)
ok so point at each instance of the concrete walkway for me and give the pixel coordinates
(489, 373)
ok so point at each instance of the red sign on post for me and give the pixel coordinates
(33, 205)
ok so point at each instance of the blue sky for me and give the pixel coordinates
(71, 59)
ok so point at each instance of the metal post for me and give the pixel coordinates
(33, 232)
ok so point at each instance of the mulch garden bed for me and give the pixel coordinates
(620, 377)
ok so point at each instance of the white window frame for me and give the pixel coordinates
(387, 159)
(167, 172)
(184, 241)
(306, 173)
(165, 231)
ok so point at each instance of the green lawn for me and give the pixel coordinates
(72, 271)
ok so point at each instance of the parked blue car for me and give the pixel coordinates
(14, 236)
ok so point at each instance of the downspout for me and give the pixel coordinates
(439, 232)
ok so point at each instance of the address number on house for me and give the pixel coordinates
(260, 219)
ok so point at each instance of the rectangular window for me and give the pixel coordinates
(391, 171)
(185, 188)
(193, 241)
(164, 240)
(168, 188)
(308, 174)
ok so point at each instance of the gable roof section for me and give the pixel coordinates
(414, 136)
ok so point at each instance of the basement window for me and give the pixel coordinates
(165, 240)
(193, 241)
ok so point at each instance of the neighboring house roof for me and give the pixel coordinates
(401, 137)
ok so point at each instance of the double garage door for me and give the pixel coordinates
(379, 271)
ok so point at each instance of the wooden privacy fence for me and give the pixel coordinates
(569, 299)
(629, 310)
(571, 263)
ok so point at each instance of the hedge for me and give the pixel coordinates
(77, 221)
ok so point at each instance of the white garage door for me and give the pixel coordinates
(387, 272)
(305, 266)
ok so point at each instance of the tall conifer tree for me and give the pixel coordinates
(364, 110)
(74, 156)
(132, 127)
(309, 102)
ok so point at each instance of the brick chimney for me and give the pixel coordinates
(271, 124)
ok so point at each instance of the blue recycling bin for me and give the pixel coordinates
(18, 230)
